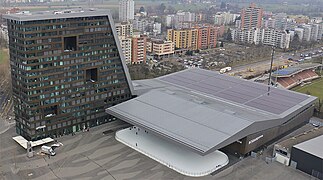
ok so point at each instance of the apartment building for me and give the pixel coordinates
(126, 10)
(183, 38)
(251, 17)
(278, 38)
(126, 46)
(124, 29)
(139, 43)
(160, 48)
(207, 37)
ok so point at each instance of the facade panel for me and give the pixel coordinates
(307, 163)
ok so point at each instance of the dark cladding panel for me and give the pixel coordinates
(230, 97)
(271, 104)
(214, 87)
(276, 101)
(236, 90)
(307, 162)
(264, 107)
(182, 81)
(192, 76)
(257, 90)
(176, 82)
(205, 72)
(290, 95)
(204, 89)
(218, 82)
(242, 93)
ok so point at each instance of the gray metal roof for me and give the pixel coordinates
(57, 14)
(312, 146)
(205, 111)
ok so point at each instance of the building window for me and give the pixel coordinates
(51, 111)
(70, 43)
(91, 75)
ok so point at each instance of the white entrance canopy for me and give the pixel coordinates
(170, 154)
(23, 142)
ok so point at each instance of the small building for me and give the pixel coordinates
(160, 48)
(308, 157)
(282, 150)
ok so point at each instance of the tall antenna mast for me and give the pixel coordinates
(90, 3)
(271, 67)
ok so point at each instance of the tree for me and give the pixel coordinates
(295, 43)
(142, 9)
(150, 9)
(308, 93)
(162, 8)
(296, 38)
(228, 35)
(189, 53)
(171, 10)
(223, 5)
(221, 44)
(318, 108)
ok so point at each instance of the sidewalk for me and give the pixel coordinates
(5, 125)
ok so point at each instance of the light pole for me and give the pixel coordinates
(321, 66)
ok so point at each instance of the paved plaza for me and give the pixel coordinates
(97, 155)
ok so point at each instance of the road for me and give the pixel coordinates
(279, 57)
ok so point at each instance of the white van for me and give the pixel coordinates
(48, 150)
(226, 69)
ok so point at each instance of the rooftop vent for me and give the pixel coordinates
(24, 12)
(229, 111)
(170, 92)
(136, 85)
(198, 101)
(58, 12)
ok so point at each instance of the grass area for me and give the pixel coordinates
(3, 56)
(315, 88)
(108, 4)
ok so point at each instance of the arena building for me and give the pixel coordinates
(204, 111)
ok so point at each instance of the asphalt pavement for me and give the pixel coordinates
(97, 155)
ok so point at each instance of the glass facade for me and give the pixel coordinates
(65, 73)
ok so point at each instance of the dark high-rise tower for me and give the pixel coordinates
(66, 70)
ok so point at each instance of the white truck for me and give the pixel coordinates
(226, 69)
(48, 150)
